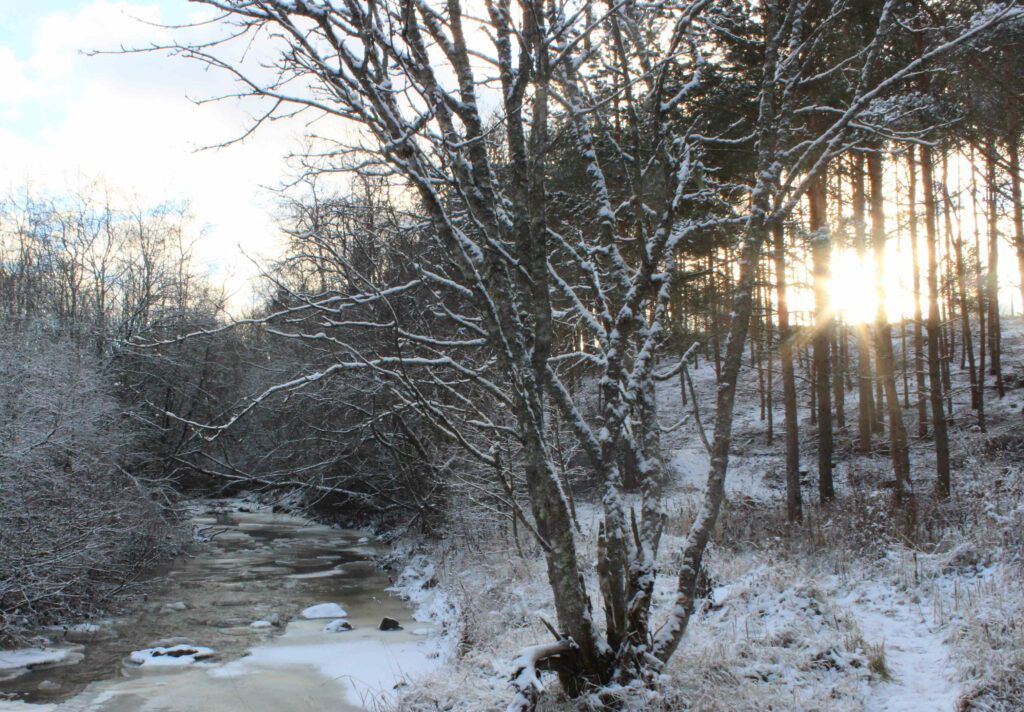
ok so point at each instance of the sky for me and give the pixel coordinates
(68, 119)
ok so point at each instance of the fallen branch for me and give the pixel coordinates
(526, 672)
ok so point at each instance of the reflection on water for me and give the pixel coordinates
(256, 566)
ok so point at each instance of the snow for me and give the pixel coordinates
(88, 633)
(172, 656)
(325, 610)
(337, 626)
(916, 652)
(838, 614)
(85, 628)
(310, 665)
(27, 658)
(365, 666)
(417, 584)
(752, 463)
(16, 706)
(326, 573)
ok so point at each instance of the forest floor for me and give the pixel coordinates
(852, 610)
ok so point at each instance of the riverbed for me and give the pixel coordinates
(226, 629)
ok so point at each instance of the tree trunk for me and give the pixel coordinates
(961, 294)
(898, 445)
(994, 328)
(666, 640)
(1013, 145)
(839, 371)
(922, 413)
(979, 281)
(865, 391)
(951, 302)
(794, 504)
(935, 395)
(771, 371)
(715, 289)
(821, 247)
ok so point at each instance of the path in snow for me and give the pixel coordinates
(916, 654)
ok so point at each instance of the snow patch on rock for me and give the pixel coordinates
(173, 656)
(337, 626)
(324, 610)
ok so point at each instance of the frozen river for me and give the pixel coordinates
(227, 631)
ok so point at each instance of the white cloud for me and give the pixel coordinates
(16, 84)
(127, 118)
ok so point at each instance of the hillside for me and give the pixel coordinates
(849, 611)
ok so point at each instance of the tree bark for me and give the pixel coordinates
(922, 413)
(979, 281)
(935, 395)
(667, 639)
(992, 280)
(961, 295)
(1013, 146)
(794, 504)
(865, 390)
(898, 445)
(821, 247)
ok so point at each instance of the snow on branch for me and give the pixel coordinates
(526, 668)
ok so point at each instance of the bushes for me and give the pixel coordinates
(75, 525)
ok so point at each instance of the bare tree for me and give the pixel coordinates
(460, 111)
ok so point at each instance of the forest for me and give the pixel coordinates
(672, 350)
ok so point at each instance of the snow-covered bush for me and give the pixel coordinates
(75, 526)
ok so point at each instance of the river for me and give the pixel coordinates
(256, 567)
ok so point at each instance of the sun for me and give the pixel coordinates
(852, 289)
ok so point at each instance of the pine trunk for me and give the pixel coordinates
(821, 247)
(935, 394)
(1013, 144)
(865, 391)
(794, 504)
(994, 328)
(898, 445)
(922, 411)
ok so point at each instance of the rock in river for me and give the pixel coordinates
(389, 624)
(173, 656)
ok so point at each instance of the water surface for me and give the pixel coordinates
(257, 565)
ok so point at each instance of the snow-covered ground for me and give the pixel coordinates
(844, 613)
(922, 676)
